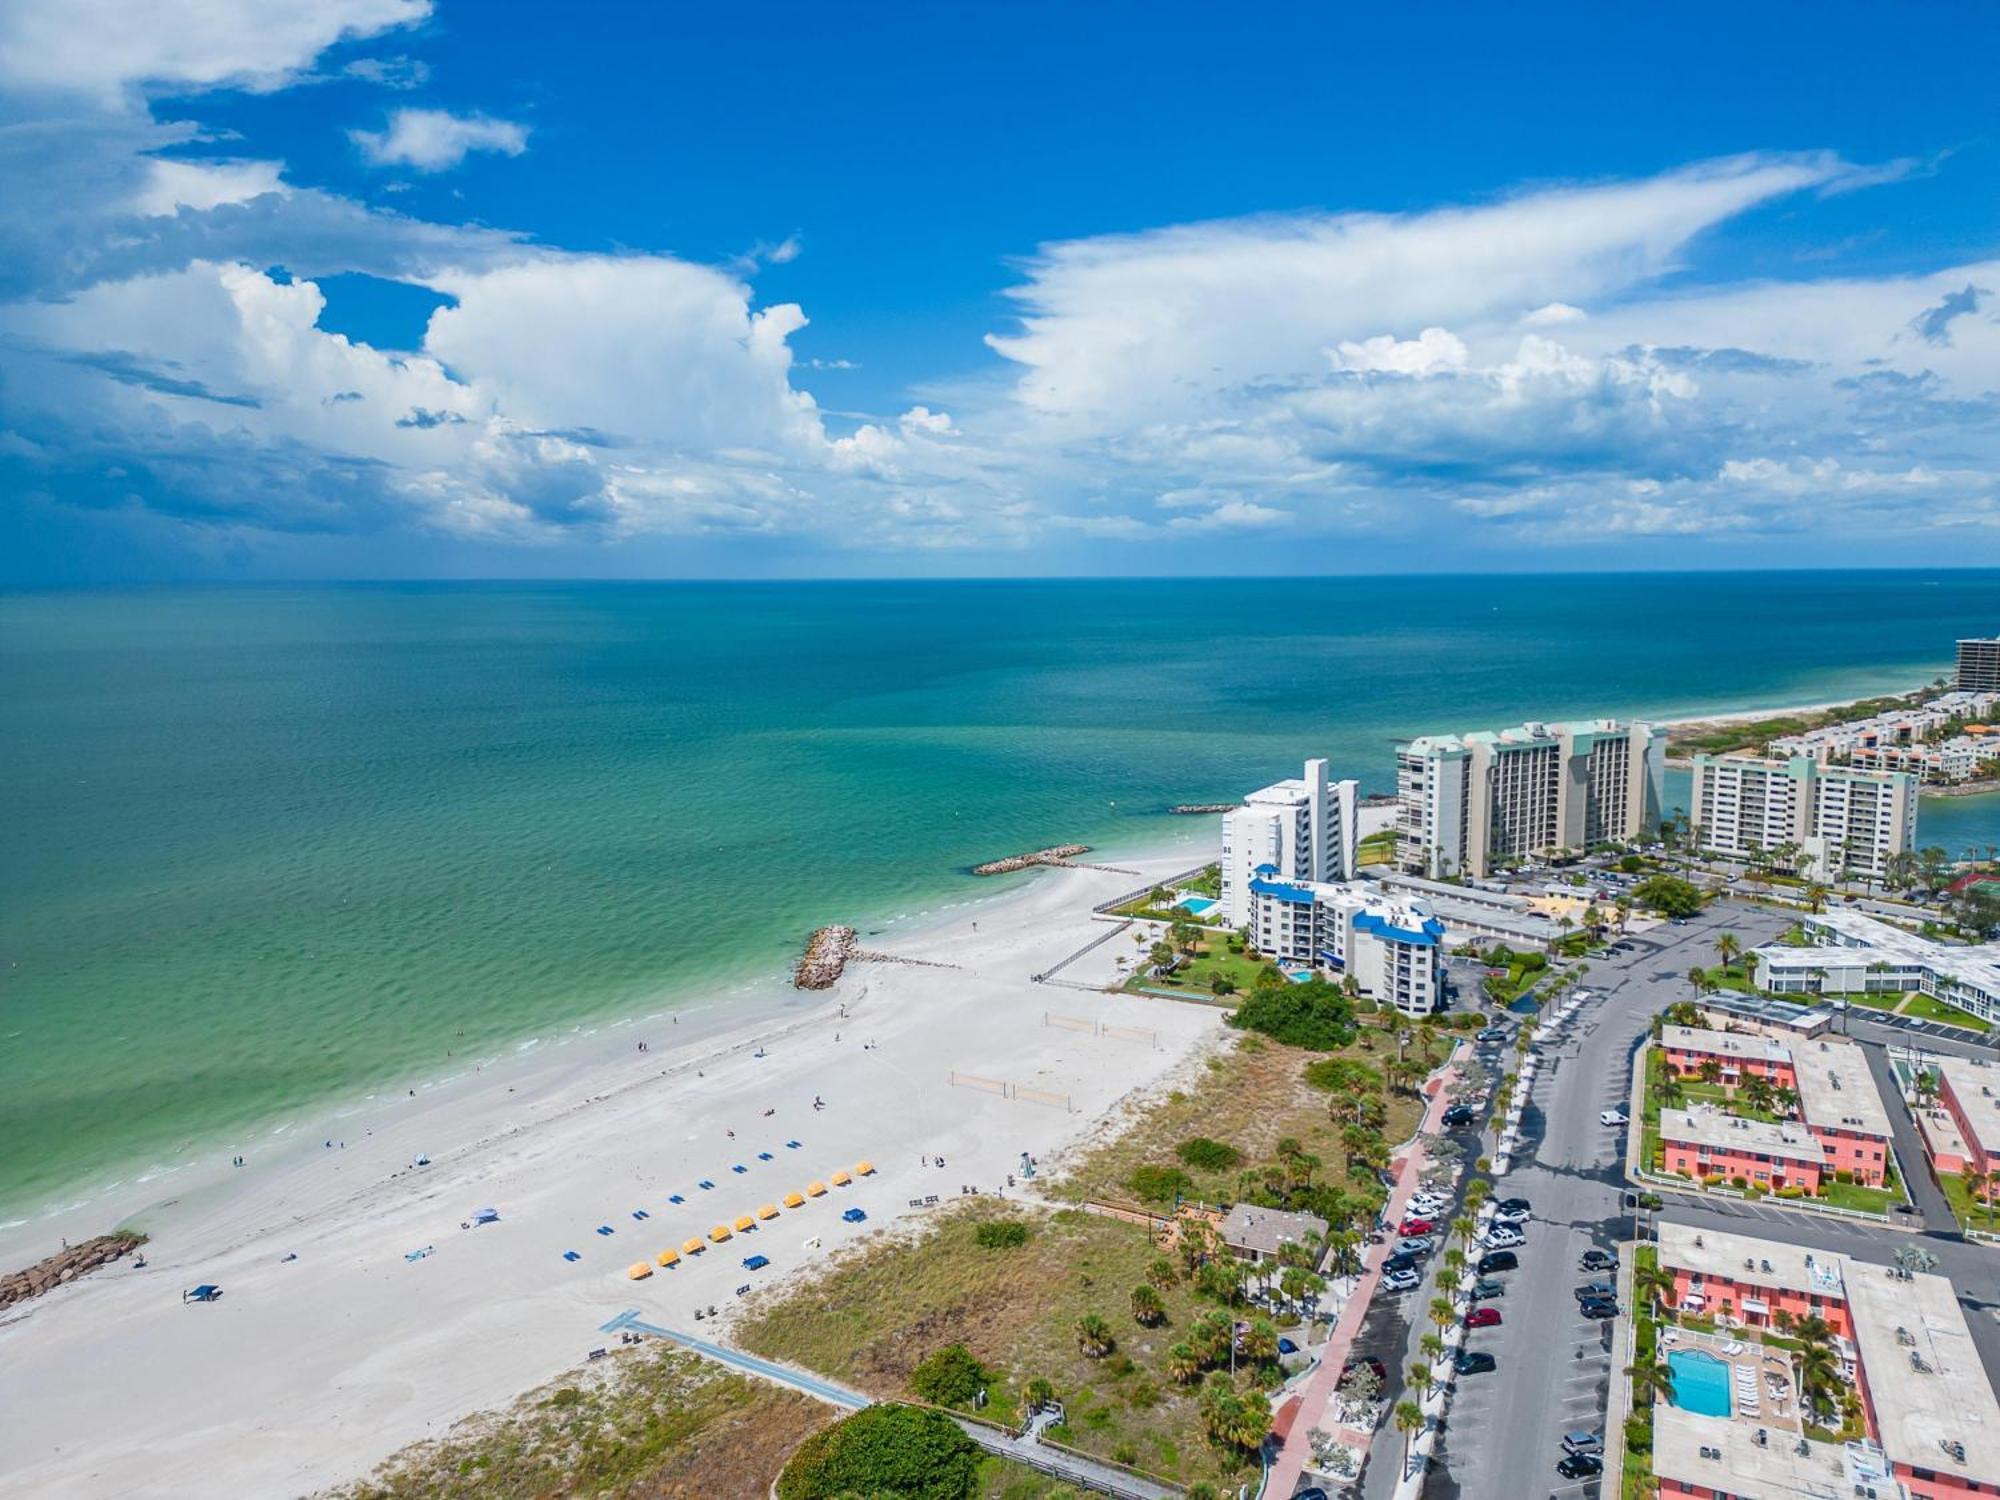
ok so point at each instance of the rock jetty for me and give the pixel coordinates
(827, 953)
(1055, 856)
(1189, 809)
(66, 1265)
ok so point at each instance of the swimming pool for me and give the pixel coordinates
(1197, 906)
(1701, 1382)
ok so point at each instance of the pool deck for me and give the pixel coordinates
(1762, 1390)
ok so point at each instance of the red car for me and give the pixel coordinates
(1416, 1226)
(1483, 1317)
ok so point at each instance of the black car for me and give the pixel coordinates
(1402, 1260)
(1580, 1466)
(1599, 1307)
(1598, 1260)
(1475, 1364)
(1595, 1291)
(1496, 1260)
(1906, 1208)
(1515, 1205)
(1486, 1287)
(1460, 1114)
(1311, 1492)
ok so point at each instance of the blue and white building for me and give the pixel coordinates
(1304, 827)
(1391, 946)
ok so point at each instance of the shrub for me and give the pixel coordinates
(1631, 864)
(1638, 1434)
(1740, 1183)
(949, 1376)
(1208, 1155)
(1668, 895)
(1001, 1234)
(1160, 1184)
(1791, 1191)
(900, 1451)
(1312, 1014)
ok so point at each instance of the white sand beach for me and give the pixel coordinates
(309, 1371)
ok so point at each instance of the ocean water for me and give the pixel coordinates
(269, 846)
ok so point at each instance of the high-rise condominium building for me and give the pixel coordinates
(1979, 665)
(1845, 819)
(1467, 804)
(1303, 829)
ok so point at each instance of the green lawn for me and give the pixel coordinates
(1971, 1215)
(1865, 1199)
(1874, 1001)
(1377, 849)
(1213, 957)
(1925, 1008)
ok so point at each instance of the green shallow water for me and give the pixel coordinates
(268, 846)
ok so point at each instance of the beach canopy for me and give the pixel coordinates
(486, 1216)
(815, 1189)
(744, 1221)
(692, 1246)
(793, 1200)
(768, 1211)
(840, 1179)
(639, 1270)
(669, 1257)
(719, 1233)
(864, 1169)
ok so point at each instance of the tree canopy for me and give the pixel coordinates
(901, 1451)
(1668, 895)
(1312, 1014)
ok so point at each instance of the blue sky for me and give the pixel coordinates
(426, 288)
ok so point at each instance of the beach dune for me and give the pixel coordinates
(311, 1370)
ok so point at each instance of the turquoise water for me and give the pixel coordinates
(266, 846)
(1701, 1382)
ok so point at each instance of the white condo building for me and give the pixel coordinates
(1303, 829)
(1390, 944)
(1847, 819)
(1468, 803)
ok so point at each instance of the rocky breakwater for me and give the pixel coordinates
(1055, 856)
(1197, 809)
(66, 1265)
(827, 953)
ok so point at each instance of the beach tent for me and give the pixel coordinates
(639, 1270)
(840, 1179)
(486, 1216)
(815, 1189)
(719, 1233)
(793, 1200)
(864, 1169)
(692, 1246)
(669, 1257)
(768, 1211)
(744, 1221)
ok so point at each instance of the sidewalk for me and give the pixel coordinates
(1316, 1399)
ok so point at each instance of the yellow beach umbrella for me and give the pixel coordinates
(864, 1169)
(670, 1257)
(840, 1179)
(640, 1270)
(793, 1200)
(815, 1189)
(768, 1211)
(692, 1246)
(719, 1233)
(744, 1221)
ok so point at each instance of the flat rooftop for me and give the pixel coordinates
(1932, 1400)
(1722, 1454)
(1748, 1045)
(1807, 1019)
(1836, 1089)
(1708, 1127)
(1976, 1086)
(1719, 1253)
(1862, 940)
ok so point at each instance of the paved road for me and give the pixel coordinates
(1504, 1432)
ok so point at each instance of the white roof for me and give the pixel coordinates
(1970, 1082)
(1835, 1087)
(1713, 1128)
(1923, 1373)
(1772, 1470)
(1745, 1044)
(1717, 1252)
(1864, 940)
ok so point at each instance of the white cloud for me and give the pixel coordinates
(103, 48)
(1431, 352)
(202, 185)
(1552, 314)
(432, 140)
(923, 419)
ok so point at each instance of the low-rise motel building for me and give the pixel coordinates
(1842, 1125)
(1927, 1407)
(1961, 1124)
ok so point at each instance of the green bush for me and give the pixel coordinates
(1208, 1155)
(1001, 1234)
(1313, 1014)
(1668, 895)
(1161, 1184)
(949, 1376)
(900, 1451)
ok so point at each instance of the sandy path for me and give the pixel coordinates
(310, 1371)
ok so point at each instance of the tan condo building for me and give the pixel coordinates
(1846, 820)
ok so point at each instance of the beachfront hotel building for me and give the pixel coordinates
(1391, 946)
(1856, 954)
(1843, 1125)
(1979, 665)
(1467, 804)
(1846, 819)
(1932, 1424)
(1304, 828)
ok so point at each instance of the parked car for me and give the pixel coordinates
(1503, 1237)
(1487, 1287)
(1400, 1281)
(1510, 1216)
(1426, 1202)
(1583, 1442)
(1599, 1307)
(1515, 1203)
(1411, 1227)
(1595, 1291)
(1906, 1208)
(1497, 1260)
(1580, 1466)
(1478, 1363)
(1614, 1117)
(1483, 1317)
(1598, 1260)
(1420, 1244)
(1400, 1261)
(1459, 1115)
(1493, 1034)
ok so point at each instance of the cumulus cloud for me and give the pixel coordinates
(433, 140)
(202, 185)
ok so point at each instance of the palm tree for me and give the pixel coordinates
(1147, 1309)
(1442, 1312)
(1432, 1347)
(1652, 1282)
(1093, 1336)
(1260, 1340)
(1038, 1393)
(1454, 1264)
(1464, 1226)
(1448, 1279)
(1418, 1377)
(1669, 1091)
(1698, 977)
(1977, 1183)
(1710, 1071)
(1651, 1382)
(1162, 1273)
(1727, 947)
(1409, 1420)
(1183, 1364)
(1816, 897)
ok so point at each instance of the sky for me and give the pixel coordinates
(298, 289)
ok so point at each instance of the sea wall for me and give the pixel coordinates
(827, 953)
(1052, 856)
